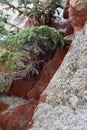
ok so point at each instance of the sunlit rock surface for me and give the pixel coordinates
(66, 95)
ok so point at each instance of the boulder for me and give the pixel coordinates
(65, 107)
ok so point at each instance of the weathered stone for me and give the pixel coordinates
(66, 102)
(66, 10)
(78, 13)
(16, 113)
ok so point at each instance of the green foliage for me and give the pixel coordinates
(10, 60)
(3, 56)
(43, 37)
(3, 31)
(29, 48)
(26, 52)
(42, 10)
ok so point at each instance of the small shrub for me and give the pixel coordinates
(30, 48)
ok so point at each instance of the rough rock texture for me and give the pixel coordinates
(21, 87)
(78, 13)
(66, 10)
(65, 106)
(66, 101)
(8, 103)
(16, 113)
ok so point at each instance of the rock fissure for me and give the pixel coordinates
(65, 107)
(62, 103)
(31, 90)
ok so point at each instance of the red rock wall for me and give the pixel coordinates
(21, 117)
(78, 13)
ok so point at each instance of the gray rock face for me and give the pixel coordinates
(66, 102)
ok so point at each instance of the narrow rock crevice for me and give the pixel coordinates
(19, 111)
